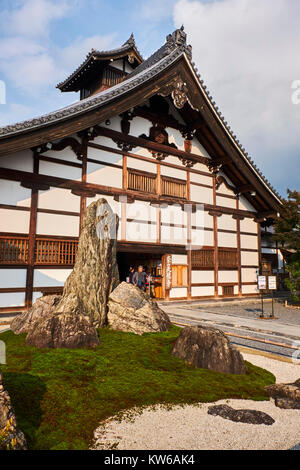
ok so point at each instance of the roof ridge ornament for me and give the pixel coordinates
(178, 39)
(130, 40)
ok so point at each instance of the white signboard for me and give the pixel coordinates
(272, 283)
(262, 284)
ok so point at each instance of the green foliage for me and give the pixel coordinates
(60, 396)
(293, 283)
(287, 226)
(287, 233)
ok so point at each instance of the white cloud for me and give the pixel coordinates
(33, 17)
(30, 62)
(247, 52)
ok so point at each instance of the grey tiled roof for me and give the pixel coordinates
(93, 101)
(174, 47)
(128, 46)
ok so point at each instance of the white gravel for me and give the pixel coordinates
(190, 427)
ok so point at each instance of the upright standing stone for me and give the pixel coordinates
(95, 273)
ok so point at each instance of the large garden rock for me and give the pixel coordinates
(10, 436)
(42, 307)
(130, 309)
(286, 396)
(241, 416)
(95, 273)
(64, 330)
(208, 348)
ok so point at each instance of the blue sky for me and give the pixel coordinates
(247, 52)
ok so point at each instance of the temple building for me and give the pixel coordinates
(147, 136)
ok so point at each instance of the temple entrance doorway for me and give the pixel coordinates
(152, 263)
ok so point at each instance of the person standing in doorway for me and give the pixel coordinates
(129, 277)
(139, 278)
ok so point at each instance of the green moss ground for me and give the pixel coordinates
(60, 396)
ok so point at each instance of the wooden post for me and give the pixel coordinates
(31, 239)
(216, 251)
(83, 179)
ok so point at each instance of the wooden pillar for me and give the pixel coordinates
(239, 260)
(31, 239)
(259, 246)
(216, 250)
(83, 179)
(189, 238)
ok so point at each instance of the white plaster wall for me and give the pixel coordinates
(201, 179)
(173, 214)
(175, 138)
(244, 204)
(103, 155)
(250, 290)
(179, 259)
(104, 175)
(176, 292)
(226, 202)
(11, 192)
(224, 190)
(249, 241)
(139, 126)
(60, 171)
(141, 210)
(203, 291)
(228, 240)
(14, 299)
(59, 199)
(50, 277)
(236, 290)
(249, 258)
(201, 218)
(115, 124)
(14, 221)
(142, 165)
(65, 154)
(141, 232)
(226, 222)
(198, 149)
(228, 276)
(203, 277)
(173, 172)
(208, 238)
(12, 278)
(22, 161)
(249, 275)
(248, 225)
(200, 194)
(201, 237)
(57, 225)
(173, 235)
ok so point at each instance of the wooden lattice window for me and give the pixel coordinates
(13, 250)
(173, 187)
(228, 291)
(228, 258)
(141, 181)
(52, 251)
(202, 259)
